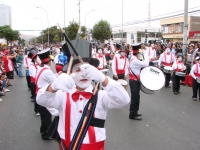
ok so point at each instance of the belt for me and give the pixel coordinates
(60, 64)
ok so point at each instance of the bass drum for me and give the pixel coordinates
(152, 80)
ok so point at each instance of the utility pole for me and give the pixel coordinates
(185, 28)
(79, 12)
(64, 14)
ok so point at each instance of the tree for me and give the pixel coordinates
(21, 41)
(9, 34)
(72, 30)
(101, 31)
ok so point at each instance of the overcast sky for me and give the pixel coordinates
(24, 12)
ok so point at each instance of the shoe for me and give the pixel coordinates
(178, 92)
(194, 98)
(32, 100)
(168, 86)
(135, 117)
(37, 114)
(170, 81)
(2, 95)
(139, 114)
(0, 99)
(7, 90)
(9, 85)
(31, 97)
(29, 89)
(175, 93)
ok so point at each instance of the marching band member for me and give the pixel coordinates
(135, 66)
(120, 65)
(70, 94)
(101, 58)
(151, 51)
(27, 62)
(44, 77)
(178, 66)
(94, 51)
(32, 72)
(195, 73)
(166, 59)
(107, 53)
(117, 48)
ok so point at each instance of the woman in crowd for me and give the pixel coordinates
(19, 60)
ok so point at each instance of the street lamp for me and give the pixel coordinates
(47, 21)
(122, 17)
(85, 18)
(86, 15)
(42, 30)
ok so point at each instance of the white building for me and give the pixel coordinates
(136, 34)
(5, 15)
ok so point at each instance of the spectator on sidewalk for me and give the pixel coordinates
(19, 60)
(8, 66)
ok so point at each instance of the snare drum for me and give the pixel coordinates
(124, 83)
(168, 69)
(104, 70)
(181, 74)
(152, 80)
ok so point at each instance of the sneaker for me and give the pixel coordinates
(7, 90)
(170, 81)
(37, 114)
(0, 99)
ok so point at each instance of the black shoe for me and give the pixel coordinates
(175, 93)
(31, 97)
(178, 92)
(135, 117)
(168, 86)
(139, 114)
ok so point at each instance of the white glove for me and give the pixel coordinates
(91, 73)
(63, 82)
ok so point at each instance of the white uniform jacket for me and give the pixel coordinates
(195, 71)
(120, 65)
(135, 65)
(114, 96)
(178, 66)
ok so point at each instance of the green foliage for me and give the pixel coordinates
(72, 30)
(21, 41)
(101, 31)
(9, 34)
(83, 32)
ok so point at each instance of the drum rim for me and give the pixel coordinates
(163, 78)
(122, 80)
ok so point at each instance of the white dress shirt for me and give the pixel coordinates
(114, 96)
(178, 65)
(102, 61)
(168, 59)
(193, 70)
(121, 64)
(151, 52)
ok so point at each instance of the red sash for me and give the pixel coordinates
(36, 81)
(196, 73)
(131, 75)
(120, 71)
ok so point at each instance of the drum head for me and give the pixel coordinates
(168, 68)
(152, 78)
(122, 82)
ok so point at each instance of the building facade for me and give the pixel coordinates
(172, 29)
(5, 15)
(135, 34)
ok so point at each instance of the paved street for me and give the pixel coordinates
(170, 122)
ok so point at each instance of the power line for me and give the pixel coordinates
(143, 21)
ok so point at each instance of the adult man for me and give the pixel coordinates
(120, 65)
(71, 103)
(44, 77)
(134, 80)
(33, 67)
(166, 59)
(8, 66)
